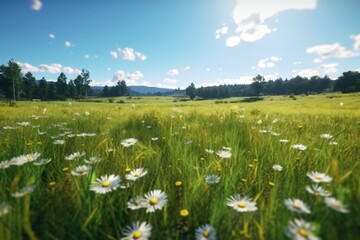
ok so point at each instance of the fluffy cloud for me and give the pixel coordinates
(54, 68)
(307, 73)
(67, 44)
(221, 31)
(173, 72)
(329, 68)
(114, 54)
(268, 62)
(357, 41)
(52, 36)
(140, 56)
(323, 69)
(170, 80)
(119, 76)
(86, 56)
(130, 78)
(187, 68)
(36, 5)
(330, 50)
(232, 41)
(250, 17)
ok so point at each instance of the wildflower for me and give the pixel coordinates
(4, 209)
(81, 170)
(138, 231)
(259, 122)
(205, 232)
(59, 142)
(283, 140)
(333, 143)
(105, 184)
(298, 229)
(209, 151)
(241, 204)
(92, 160)
(178, 184)
(275, 134)
(154, 200)
(184, 213)
(136, 174)
(336, 205)
(74, 156)
(5, 164)
(135, 203)
(318, 177)
(297, 205)
(227, 148)
(299, 147)
(277, 167)
(42, 161)
(326, 136)
(23, 191)
(212, 179)
(224, 154)
(129, 142)
(263, 131)
(23, 123)
(154, 138)
(318, 191)
(21, 160)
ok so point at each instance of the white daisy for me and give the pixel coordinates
(299, 147)
(318, 191)
(138, 231)
(74, 155)
(23, 191)
(135, 203)
(129, 142)
(227, 148)
(333, 143)
(81, 170)
(241, 204)
(154, 200)
(105, 184)
(42, 161)
(298, 229)
(336, 205)
(277, 167)
(297, 205)
(205, 232)
(209, 151)
(21, 160)
(318, 177)
(212, 179)
(326, 136)
(92, 160)
(4, 208)
(59, 142)
(154, 138)
(224, 154)
(283, 140)
(136, 174)
(23, 123)
(5, 164)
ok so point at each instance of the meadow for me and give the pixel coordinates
(159, 168)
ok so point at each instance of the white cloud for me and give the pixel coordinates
(170, 80)
(357, 41)
(268, 62)
(119, 76)
(128, 54)
(52, 36)
(36, 5)
(130, 78)
(173, 72)
(187, 68)
(135, 76)
(221, 31)
(307, 73)
(67, 44)
(140, 56)
(330, 50)
(297, 62)
(87, 56)
(54, 68)
(232, 41)
(160, 85)
(329, 68)
(207, 69)
(114, 54)
(250, 15)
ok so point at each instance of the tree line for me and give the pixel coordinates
(346, 83)
(17, 86)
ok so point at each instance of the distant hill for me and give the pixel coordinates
(143, 90)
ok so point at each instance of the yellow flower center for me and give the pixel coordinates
(105, 184)
(137, 235)
(297, 206)
(241, 204)
(29, 159)
(206, 234)
(336, 205)
(137, 174)
(153, 201)
(128, 170)
(184, 213)
(318, 177)
(303, 232)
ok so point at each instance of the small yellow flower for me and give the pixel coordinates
(65, 169)
(178, 183)
(250, 166)
(271, 184)
(127, 170)
(52, 184)
(184, 213)
(244, 180)
(39, 143)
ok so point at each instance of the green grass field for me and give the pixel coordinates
(175, 140)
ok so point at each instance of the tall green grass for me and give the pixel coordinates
(63, 207)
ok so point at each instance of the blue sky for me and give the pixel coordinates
(167, 43)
